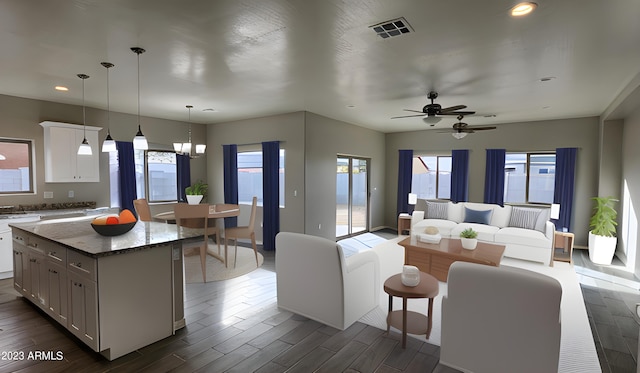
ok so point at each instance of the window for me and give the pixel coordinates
(250, 177)
(431, 177)
(162, 176)
(529, 177)
(16, 166)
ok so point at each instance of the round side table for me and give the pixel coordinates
(409, 321)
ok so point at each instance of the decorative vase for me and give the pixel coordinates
(410, 276)
(602, 248)
(194, 199)
(469, 243)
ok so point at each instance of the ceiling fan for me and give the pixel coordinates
(431, 112)
(460, 129)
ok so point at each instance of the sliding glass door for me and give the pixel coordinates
(352, 196)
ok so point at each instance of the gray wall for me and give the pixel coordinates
(20, 118)
(286, 128)
(581, 133)
(325, 139)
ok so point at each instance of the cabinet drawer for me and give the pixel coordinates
(82, 265)
(19, 237)
(56, 254)
(37, 244)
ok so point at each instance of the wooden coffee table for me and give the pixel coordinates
(436, 259)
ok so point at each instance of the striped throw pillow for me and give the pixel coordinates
(524, 217)
(437, 210)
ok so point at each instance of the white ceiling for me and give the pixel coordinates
(248, 58)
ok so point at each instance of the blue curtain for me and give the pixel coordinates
(183, 169)
(494, 176)
(405, 172)
(564, 185)
(271, 193)
(230, 160)
(127, 169)
(459, 175)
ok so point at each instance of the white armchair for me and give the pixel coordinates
(316, 281)
(500, 320)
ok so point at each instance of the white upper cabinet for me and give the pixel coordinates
(62, 164)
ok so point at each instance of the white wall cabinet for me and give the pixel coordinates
(62, 164)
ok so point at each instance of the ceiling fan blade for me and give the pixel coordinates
(409, 116)
(482, 128)
(414, 111)
(457, 113)
(453, 108)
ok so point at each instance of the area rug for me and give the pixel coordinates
(216, 270)
(577, 348)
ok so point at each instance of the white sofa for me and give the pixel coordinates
(316, 281)
(526, 232)
(500, 319)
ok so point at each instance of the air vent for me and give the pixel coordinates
(395, 27)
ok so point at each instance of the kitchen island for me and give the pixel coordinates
(116, 294)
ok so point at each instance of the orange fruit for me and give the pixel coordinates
(100, 220)
(127, 216)
(112, 220)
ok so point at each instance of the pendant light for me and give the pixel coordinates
(109, 145)
(84, 148)
(139, 142)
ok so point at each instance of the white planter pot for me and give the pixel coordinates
(469, 243)
(194, 200)
(601, 248)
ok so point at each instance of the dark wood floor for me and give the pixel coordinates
(232, 326)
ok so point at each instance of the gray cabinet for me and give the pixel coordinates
(56, 283)
(21, 278)
(83, 308)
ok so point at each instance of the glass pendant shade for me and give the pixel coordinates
(459, 135)
(140, 142)
(85, 148)
(200, 148)
(108, 145)
(431, 120)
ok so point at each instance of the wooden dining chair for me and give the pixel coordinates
(142, 209)
(193, 216)
(233, 233)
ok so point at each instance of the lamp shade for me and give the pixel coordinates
(555, 211)
(413, 198)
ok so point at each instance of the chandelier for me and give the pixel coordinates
(186, 148)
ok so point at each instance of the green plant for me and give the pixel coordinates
(603, 221)
(468, 233)
(197, 189)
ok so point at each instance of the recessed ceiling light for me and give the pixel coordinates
(209, 109)
(523, 9)
(351, 106)
(61, 88)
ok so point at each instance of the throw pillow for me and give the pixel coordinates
(477, 216)
(437, 210)
(524, 217)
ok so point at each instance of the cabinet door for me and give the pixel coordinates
(83, 309)
(57, 291)
(20, 268)
(6, 253)
(38, 276)
(60, 156)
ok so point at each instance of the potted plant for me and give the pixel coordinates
(602, 234)
(468, 238)
(196, 192)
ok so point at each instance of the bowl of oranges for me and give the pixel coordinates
(114, 225)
